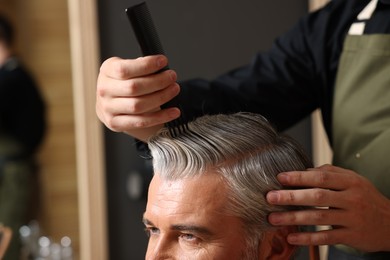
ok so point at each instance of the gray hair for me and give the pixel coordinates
(244, 149)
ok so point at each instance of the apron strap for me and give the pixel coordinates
(357, 28)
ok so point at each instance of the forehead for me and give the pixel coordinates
(200, 199)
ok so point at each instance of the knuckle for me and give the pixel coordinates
(322, 238)
(290, 197)
(134, 107)
(101, 92)
(140, 124)
(319, 195)
(297, 178)
(319, 216)
(119, 69)
(105, 64)
(322, 178)
(292, 217)
(132, 87)
(110, 123)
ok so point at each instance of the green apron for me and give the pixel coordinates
(15, 186)
(361, 109)
(361, 119)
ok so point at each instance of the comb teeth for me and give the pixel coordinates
(149, 41)
(177, 127)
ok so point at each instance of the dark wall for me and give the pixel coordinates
(202, 38)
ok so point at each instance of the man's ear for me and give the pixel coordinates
(274, 245)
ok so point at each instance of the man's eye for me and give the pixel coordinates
(151, 231)
(189, 237)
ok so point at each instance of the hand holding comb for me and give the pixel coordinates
(149, 41)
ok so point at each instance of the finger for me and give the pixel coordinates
(306, 197)
(317, 217)
(323, 237)
(142, 104)
(118, 68)
(108, 87)
(328, 177)
(125, 122)
(145, 85)
(332, 168)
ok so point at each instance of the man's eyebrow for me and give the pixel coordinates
(192, 228)
(183, 227)
(147, 222)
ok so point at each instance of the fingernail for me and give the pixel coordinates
(274, 219)
(292, 239)
(283, 178)
(273, 197)
(160, 62)
(174, 113)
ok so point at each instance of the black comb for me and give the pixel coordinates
(149, 42)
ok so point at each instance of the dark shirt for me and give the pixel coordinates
(295, 77)
(22, 109)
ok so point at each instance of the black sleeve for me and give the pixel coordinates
(284, 84)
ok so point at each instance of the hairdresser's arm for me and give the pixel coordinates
(129, 95)
(358, 212)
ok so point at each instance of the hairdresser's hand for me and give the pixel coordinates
(129, 95)
(358, 212)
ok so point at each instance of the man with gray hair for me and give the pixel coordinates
(207, 196)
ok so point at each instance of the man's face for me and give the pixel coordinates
(186, 220)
